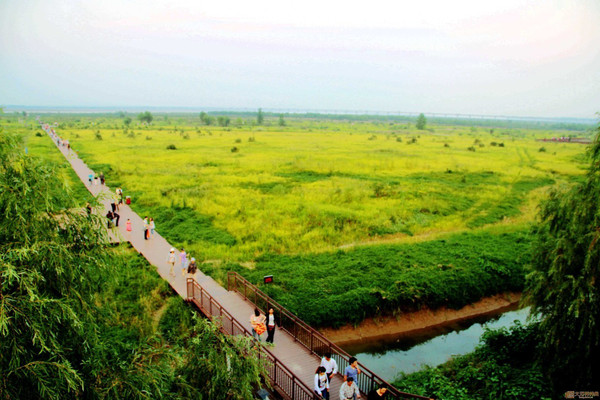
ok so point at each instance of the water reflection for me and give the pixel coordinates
(390, 356)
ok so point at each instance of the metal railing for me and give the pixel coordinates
(287, 383)
(310, 338)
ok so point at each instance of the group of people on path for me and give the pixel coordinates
(149, 228)
(349, 388)
(261, 324)
(186, 266)
(326, 370)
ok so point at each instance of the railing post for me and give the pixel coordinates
(311, 342)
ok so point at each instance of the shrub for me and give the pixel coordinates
(234, 149)
(471, 148)
(148, 137)
(542, 150)
(446, 145)
(399, 139)
(39, 134)
(252, 139)
(238, 140)
(98, 136)
(171, 147)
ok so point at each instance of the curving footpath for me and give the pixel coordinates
(289, 352)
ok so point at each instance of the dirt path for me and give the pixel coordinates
(412, 323)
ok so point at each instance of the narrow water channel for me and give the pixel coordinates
(390, 356)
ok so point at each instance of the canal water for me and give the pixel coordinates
(390, 356)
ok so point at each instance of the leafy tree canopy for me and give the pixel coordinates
(421, 121)
(562, 287)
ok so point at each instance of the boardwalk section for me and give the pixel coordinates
(291, 363)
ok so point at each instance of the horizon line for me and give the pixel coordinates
(191, 109)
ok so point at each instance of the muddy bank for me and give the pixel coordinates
(419, 321)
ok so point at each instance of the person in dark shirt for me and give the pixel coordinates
(379, 393)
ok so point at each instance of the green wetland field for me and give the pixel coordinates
(354, 217)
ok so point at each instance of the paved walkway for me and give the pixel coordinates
(291, 353)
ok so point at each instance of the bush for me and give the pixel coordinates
(238, 140)
(542, 150)
(234, 149)
(252, 139)
(98, 136)
(399, 139)
(471, 148)
(503, 366)
(39, 134)
(171, 147)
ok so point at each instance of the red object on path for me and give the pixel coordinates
(128, 200)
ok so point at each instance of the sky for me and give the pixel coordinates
(508, 57)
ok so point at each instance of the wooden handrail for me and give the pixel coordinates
(287, 382)
(312, 339)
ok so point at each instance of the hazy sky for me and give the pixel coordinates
(508, 57)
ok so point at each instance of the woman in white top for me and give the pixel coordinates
(270, 326)
(321, 383)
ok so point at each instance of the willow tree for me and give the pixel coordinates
(56, 342)
(46, 246)
(562, 287)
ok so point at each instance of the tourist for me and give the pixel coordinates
(90, 178)
(258, 324)
(102, 178)
(330, 365)
(349, 390)
(110, 217)
(152, 227)
(116, 218)
(88, 208)
(192, 268)
(119, 194)
(379, 393)
(113, 204)
(95, 180)
(270, 326)
(321, 383)
(352, 370)
(183, 260)
(146, 227)
(171, 261)
(128, 225)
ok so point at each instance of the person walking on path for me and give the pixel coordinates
(152, 227)
(192, 268)
(116, 217)
(113, 204)
(171, 261)
(349, 390)
(90, 178)
(119, 194)
(321, 383)
(102, 178)
(146, 228)
(258, 324)
(330, 365)
(379, 393)
(270, 326)
(352, 370)
(128, 225)
(183, 261)
(110, 217)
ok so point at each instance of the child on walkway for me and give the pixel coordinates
(128, 225)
